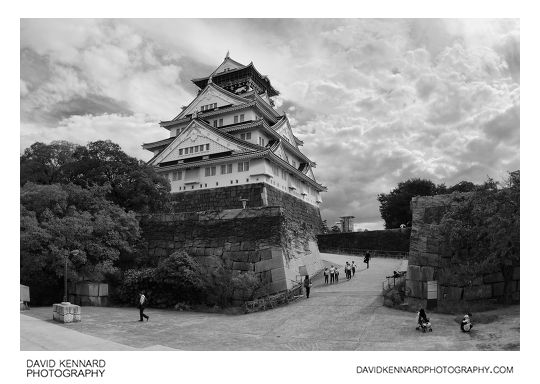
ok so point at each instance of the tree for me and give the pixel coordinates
(482, 230)
(44, 163)
(134, 184)
(59, 218)
(395, 207)
(463, 186)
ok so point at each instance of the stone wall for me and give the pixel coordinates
(266, 240)
(428, 255)
(393, 240)
(214, 199)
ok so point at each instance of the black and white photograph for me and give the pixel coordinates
(270, 184)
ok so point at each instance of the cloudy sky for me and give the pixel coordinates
(375, 101)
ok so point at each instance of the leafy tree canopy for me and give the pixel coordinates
(59, 218)
(132, 183)
(395, 206)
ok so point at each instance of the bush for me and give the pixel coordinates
(180, 278)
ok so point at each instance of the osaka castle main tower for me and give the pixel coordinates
(231, 148)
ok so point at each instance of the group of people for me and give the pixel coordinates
(331, 275)
(424, 324)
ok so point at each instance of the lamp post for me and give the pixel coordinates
(244, 202)
(72, 253)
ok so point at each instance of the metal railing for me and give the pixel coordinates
(394, 280)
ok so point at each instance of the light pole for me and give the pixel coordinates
(72, 253)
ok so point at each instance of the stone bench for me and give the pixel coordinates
(66, 312)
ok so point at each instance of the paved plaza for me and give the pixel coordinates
(344, 316)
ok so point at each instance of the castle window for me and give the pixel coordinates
(215, 123)
(226, 168)
(177, 131)
(236, 119)
(180, 151)
(201, 147)
(248, 136)
(241, 117)
(243, 136)
(210, 171)
(261, 141)
(207, 147)
(190, 149)
(243, 166)
(197, 148)
(220, 122)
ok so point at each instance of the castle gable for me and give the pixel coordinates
(211, 97)
(228, 65)
(198, 140)
(284, 129)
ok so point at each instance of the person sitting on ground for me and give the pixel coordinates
(326, 273)
(466, 323)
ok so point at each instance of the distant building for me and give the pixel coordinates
(347, 224)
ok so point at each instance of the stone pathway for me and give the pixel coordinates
(344, 316)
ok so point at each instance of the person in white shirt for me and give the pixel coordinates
(332, 272)
(142, 306)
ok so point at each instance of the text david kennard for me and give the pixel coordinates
(65, 368)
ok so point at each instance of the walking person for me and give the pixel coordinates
(347, 270)
(366, 258)
(353, 268)
(307, 286)
(326, 273)
(142, 305)
(332, 274)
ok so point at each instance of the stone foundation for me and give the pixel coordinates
(269, 241)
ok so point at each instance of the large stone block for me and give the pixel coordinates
(515, 275)
(427, 273)
(477, 292)
(66, 312)
(497, 289)
(278, 286)
(493, 278)
(278, 274)
(415, 289)
(414, 272)
(242, 266)
(450, 293)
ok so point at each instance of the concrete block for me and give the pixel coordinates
(25, 293)
(277, 253)
(278, 274)
(103, 289)
(254, 257)
(93, 289)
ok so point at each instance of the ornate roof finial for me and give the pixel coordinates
(227, 55)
